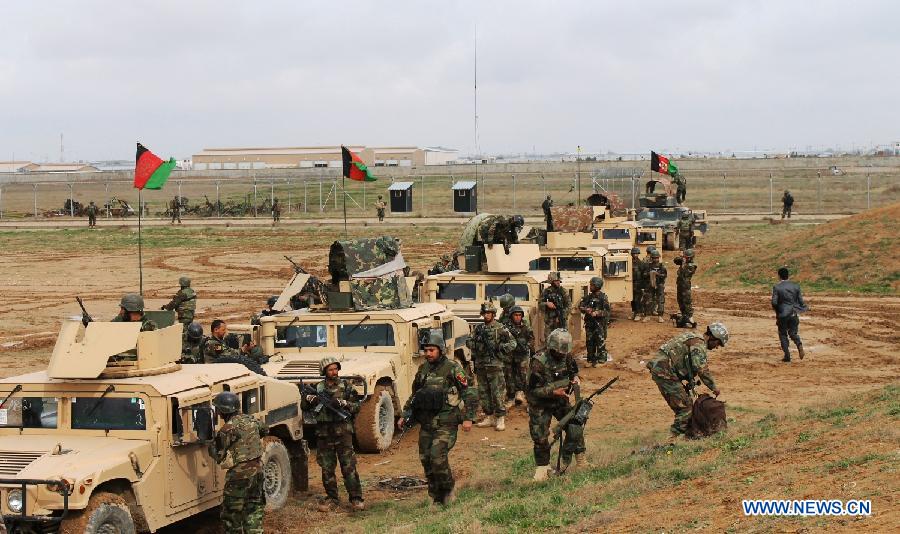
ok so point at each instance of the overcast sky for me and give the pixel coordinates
(621, 76)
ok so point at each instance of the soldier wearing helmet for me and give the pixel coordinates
(491, 343)
(514, 368)
(655, 291)
(685, 228)
(131, 310)
(548, 215)
(638, 274)
(380, 207)
(787, 204)
(552, 374)
(555, 304)
(686, 270)
(444, 265)
(265, 312)
(184, 303)
(91, 211)
(243, 501)
(334, 436)
(440, 390)
(595, 308)
(507, 301)
(682, 360)
(501, 230)
(191, 348)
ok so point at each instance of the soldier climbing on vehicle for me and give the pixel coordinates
(184, 303)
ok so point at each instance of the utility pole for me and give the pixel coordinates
(578, 172)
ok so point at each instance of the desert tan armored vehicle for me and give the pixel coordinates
(659, 209)
(113, 436)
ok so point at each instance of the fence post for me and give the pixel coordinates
(272, 187)
(289, 195)
(771, 205)
(724, 194)
(305, 196)
(422, 176)
(35, 200)
(819, 191)
(514, 193)
(364, 197)
(632, 190)
(218, 203)
(1, 203)
(71, 199)
(179, 191)
(107, 200)
(321, 206)
(255, 211)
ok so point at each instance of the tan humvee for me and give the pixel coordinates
(578, 264)
(113, 435)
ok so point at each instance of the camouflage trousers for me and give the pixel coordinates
(595, 340)
(685, 301)
(786, 210)
(539, 418)
(243, 504)
(637, 299)
(380, 214)
(679, 401)
(435, 443)
(334, 443)
(514, 373)
(491, 390)
(685, 241)
(92, 220)
(551, 323)
(655, 300)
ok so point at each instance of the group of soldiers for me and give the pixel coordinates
(648, 298)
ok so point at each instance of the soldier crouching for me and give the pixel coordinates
(334, 433)
(243, 502)
(438, 390)
(552, 372)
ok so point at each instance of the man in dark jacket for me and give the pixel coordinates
(787, 301)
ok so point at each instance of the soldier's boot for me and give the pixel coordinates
(358, 504)
(486, 422)
(660, 319)
(645, 318)
(800, 351)
(787, 358)
(501, 424)
(581, 461)
(449, 498)
(520, 397)
(328, 504)
(634, 316)
(541, 473)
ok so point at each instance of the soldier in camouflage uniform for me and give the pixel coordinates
(552, 373)
(438, 390)
(686, 270)
(596, 310)
(685, 229)
(681, 184)
(92, 210)
(192, 347)
(638, 274)
(184, 303)
(507, 301)
(684, 359)
(276, 211)
(131, 309)
(243, 501)
(334, 437)
(656, 287)
(443, 266)
(501, 230)
(554, 302)
(548, 215)
(175, 206)
(491, 344)
(215, 346)
(380, 207)
(515, 369)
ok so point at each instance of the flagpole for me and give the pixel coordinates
(344, 191)
(140, 248)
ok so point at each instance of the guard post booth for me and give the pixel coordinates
(401, 197)
(465, 197)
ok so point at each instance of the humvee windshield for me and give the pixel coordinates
(108, 413)
(540, 264)
(456, 291)
(643, 237)
(616, 233)
(584, 263)
(29, 412)
(660, 215)
(520, 291)
(304, 335)
(614, 268)
(366, 335)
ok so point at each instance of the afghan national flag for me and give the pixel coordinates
(662, 165)
(150, 172)
(354, 168)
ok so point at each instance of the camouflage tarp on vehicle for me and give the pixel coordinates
(572, 219)
(470, 233)
(610, 200)
(380, 293)
(364, 258)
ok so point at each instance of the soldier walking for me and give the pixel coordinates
(243, 502)
(656, 272)
(184, 303)
(131, 310)
(334, 435)
(596, 310)
(515, 368)
(787, 203)
(684, 359)
(276, 211)
(92, 210)
(548, 215)
(175, 206)
(638, 273)
(439, 390)
(686, 270)
(554, 302)
(553, 372)
(685, 229)
(787, 301)
(380, 207)
(491, 344)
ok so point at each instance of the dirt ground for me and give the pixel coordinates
(851, 344)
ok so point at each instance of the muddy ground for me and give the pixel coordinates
(851, 343)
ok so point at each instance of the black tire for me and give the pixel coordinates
(105, 512)
(277, 470)
(243, 360)
(375, 421)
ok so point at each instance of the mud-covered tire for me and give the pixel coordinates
(375, 421)
(276, 464)
(243, 360)
(105, 513)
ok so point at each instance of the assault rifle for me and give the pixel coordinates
(325, 401)
(578, 415)
(297, 268)
(85, 316)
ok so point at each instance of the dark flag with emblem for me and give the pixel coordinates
(662, 165)
(150, 171)
(354, 167)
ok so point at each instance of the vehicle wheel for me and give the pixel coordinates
(375, 421)
(243, 360)
(105, 513)
(277, 470)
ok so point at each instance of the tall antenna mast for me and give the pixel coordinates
(62, 150)
(477, 151)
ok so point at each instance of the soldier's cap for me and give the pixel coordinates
(445, 257)
(326, 362)
(553, 276)
(226, 403)
(272, 300)
(434, 337)
(132, 302)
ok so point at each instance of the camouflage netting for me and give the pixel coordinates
(573, 219)
(375, 269)
(380, 293)
(610, 200)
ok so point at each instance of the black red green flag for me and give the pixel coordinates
(662, 165)
(354, 168)
(150, 172)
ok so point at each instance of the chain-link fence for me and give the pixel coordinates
(730, 191)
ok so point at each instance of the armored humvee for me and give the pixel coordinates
(113, 436)
(659, 209)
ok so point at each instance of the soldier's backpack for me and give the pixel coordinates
(707, 417)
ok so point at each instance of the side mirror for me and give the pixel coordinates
(203, 423)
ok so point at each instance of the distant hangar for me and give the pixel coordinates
(319, 157)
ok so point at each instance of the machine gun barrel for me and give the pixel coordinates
(85, 316)
(583, 407)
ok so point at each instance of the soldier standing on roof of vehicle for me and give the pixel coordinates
(685, 230)
(215, 346)
(787, 301)
(656, 272)
(516, 369)
(243, 501)
(184, 303)
(334, 434)
(276, 211)
(131, 310)
(548, 215)
(92, 210)
(596, 310)
(684, 359)
(554, 302)
(552, 374)
(787, 203)
(637, 284)
(380, 207)
(192, 347)
(686, 270)
(491, 344)
(438, 390)
(681, 187)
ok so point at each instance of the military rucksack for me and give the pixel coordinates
(707, 417)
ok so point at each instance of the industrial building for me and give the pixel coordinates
(27, 166)
(319, 156)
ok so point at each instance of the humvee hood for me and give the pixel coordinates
(80, 456)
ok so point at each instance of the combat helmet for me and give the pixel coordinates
(553, 276)
(132, 302)
(516, 309)
(506, 300)
(488, 307)
(226, 403)
(689, 253)
(597, 282)
(635, 251)
(184, 281)
(272, 300)
(718, 331)
(518, 221)
(194, 331)
(435, 338)
(651, 248)
(655, 254)
(327, 361)
(445, 257)
(560, 340)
